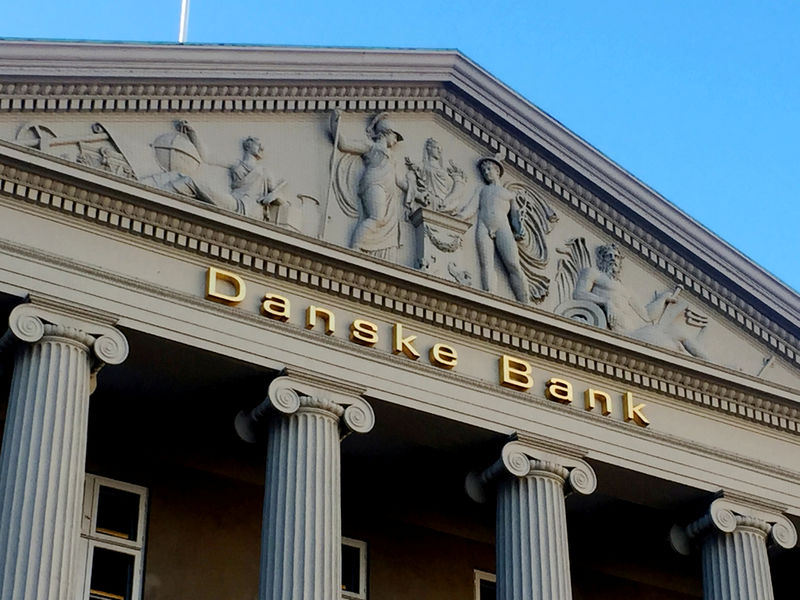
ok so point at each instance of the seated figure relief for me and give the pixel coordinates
(511, 224)
(244, 187)
(597, 295)
(255, 190)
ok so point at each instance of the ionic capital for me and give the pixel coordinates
(726, 515)
(521, 458)
(44, 317)
(289, 395)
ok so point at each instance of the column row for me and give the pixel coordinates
(42, 461)
(55, 357)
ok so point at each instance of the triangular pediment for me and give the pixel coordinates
(415, 159)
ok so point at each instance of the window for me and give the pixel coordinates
(354, 569)
(112, 539)
(485, 585)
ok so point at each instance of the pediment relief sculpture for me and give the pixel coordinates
(401, 191)
(244, 187)
(511, 225)
(369, 187)
(437, 187)
(596, 295)
(438, 194)
(95, 148)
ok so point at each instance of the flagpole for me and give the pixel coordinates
(184, 21)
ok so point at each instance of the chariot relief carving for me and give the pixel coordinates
(96, 149)
(596, 295)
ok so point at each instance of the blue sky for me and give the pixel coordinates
(698, 99)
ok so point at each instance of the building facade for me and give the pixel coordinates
(306, 324)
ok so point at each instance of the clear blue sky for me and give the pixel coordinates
(700, 99)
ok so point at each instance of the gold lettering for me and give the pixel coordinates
(558, 390)
(515, 373)
(633, 413)
(364, 333)
(214, 276)
(591, 396)
(312, 312)
(444, 356)
(275, 307)
(403, 344)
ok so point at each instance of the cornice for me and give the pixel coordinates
(198, 232)
(368, 71)
(635, 235)
(71, 76)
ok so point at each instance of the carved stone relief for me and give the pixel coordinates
(511, 224)
(96, 149)
(437, 192)
(368, 187)
(597, 296)
(442, 209)
(244, 187)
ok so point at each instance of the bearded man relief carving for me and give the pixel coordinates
(368, 186)
(244, 187)
(596, 295)
(511, 225)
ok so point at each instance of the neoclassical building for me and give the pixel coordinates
(309, 324)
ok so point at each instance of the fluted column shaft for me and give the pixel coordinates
(301, 528)
(531, 535)
(532, 553)
(41, 467)
(736, 566)
(733, 536)
(44, 451)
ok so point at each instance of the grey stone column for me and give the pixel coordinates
(44, 446)
(301, 529)
(531, 546)
(733, 538)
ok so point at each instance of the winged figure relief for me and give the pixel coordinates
(536, 219)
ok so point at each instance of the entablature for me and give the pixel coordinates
(201, 235)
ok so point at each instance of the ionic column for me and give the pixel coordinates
(301, 528)
(531, 544)
(44, 446)
(733, 537)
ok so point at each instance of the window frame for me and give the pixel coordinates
(362, 569)
(480, 576)
(90, 538)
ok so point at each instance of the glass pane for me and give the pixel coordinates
(351, 569)
(117, 513)
(112, 575)
(488, 590)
